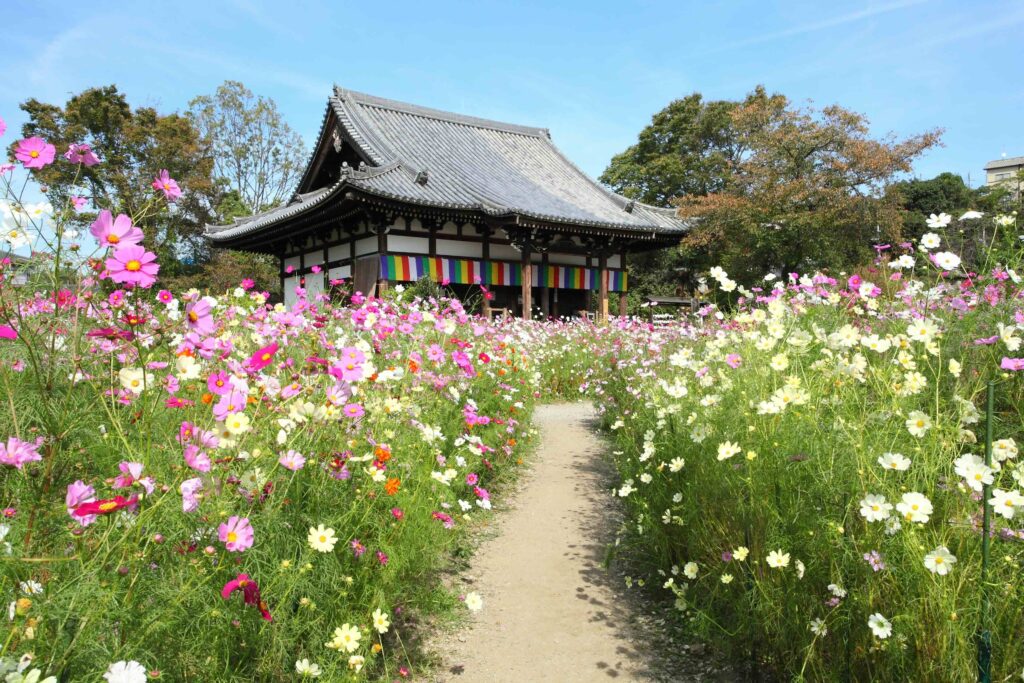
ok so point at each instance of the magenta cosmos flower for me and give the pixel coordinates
(78, 494)
(115, 232)
(81, 154)
(17, 452)
(199, 316)
(236, 534)
(133, 265)
(34, 152)
(166, 184)
(3, 126)
(250, 593)
(263, 357)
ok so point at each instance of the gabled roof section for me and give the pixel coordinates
(1005, 163)
(432, 158)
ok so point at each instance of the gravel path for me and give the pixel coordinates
(552, 611)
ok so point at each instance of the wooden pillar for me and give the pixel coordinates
(602, 288)
(588, 294)
(623, 302)
(527, 284)
(485, 304)
(382, 250)
(545, 303)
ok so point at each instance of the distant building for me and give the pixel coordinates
(1006, 173)
(395, 192)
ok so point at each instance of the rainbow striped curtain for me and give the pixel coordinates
(399, 268)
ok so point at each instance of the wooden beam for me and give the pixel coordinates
(602, 288)
(623, 299)
(527, 284)
(545, 304)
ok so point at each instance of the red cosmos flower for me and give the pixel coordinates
(105, 507)
(110, 333)
(263, 357)
(250, 593)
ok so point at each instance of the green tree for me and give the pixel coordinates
(806, 191)
(688, 149)
(946, 193)
(255, 153)
(134, 145)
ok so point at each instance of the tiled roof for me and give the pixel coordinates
(1003, 163)
(443, 160)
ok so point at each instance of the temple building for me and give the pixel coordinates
(396, 192)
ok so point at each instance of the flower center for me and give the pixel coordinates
(323, 539)
(108, 506)
(193, 316)
(232, 537)
(34, 154)
(133, 265)
(113, 239)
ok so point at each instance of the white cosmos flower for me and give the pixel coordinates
(126, 672)
(929, 241)
(690, 570)
(307, 669)
(1005, 503)
(971, 215)
(947, 260)
(818, 628)
(940, 561)
(894, 461)
(727, 450)
(915, 507)
(777, 559)
(880, 626)
(974, 471)
(938, 221)
(474, 603)
(874, 508)
(918, 423)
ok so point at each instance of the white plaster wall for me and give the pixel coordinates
(567, 260)
(315, 258)
(461, 249)
(615, 261)
(505, 252)
(338, 253)
(367, 245)
(314, 285)
(449, 228)
(292, 261)
(289, 290)
(411, 245)
(341, 272)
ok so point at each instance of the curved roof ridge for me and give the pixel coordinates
(365, 99)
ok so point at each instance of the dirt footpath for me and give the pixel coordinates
(552, 612)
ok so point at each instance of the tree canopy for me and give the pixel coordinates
(770, 186)
(254, 152)
(133, 145)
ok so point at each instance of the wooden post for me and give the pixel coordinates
(382, 250)
(602, 288)
(545, 304)
(485, 305)
(623, 299)
(527, 284)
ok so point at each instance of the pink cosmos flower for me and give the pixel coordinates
(219, 383)
(248, 283)
(292, 460)
(3, 126)
(133, 265)
(81, 154)
(78, 202)
(230, 403)
(250, 593)
(263, 357)
(79, 493)
(115, 232)
(164, 183)
(353, 410)
(164, 297)
(8, 332)
(34, 152)
(733, 360)
(236, 534)
(190, 489)
(196, 459)
(1012, 364)
(17, 452)
(199, 316)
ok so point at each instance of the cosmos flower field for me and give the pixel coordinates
(214, 487)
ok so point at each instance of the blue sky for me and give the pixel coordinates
(592, 71)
